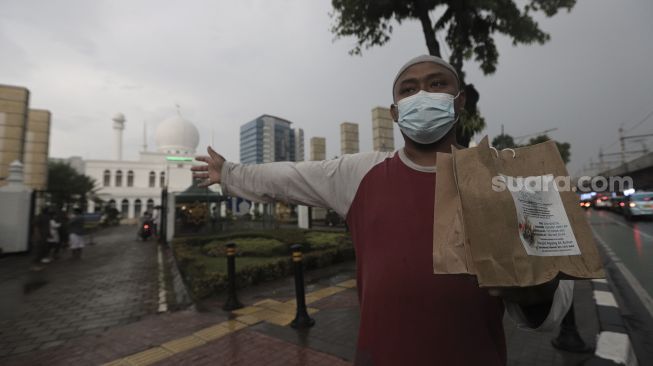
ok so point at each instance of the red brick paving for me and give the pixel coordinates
(344, 299)
(119, 342)
(250, 348)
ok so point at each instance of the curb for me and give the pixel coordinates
(613, 345)
(181, 295)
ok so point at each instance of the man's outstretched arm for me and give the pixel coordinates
(330, 183)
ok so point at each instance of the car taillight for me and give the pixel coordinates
(598, 201)
(621, 204)
(146, 226)
(632, 204)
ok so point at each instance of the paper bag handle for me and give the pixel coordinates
(514, 154)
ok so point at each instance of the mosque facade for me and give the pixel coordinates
(134, 186)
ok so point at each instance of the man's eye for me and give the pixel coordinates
(437, 84)
(408, 90)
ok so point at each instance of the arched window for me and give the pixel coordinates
(124, 207)
(152, 179)
(130, 178)
(107, 178)
(138, 205)
(119, 178)
(162, 179)
(150, 205)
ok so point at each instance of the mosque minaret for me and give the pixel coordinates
(118, 127)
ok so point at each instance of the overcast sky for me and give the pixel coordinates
(227, 62)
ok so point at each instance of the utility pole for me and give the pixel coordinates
(623, 145)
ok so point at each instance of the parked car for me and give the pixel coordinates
(639, 204)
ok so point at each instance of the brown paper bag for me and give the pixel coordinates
(527, 236)
(450, 252)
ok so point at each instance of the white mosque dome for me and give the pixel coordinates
(177, 136)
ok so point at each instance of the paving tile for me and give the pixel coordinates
(347, 284)
(148, 357)
(248, 319)
(212, 333)
(183, 344)
(247, 310)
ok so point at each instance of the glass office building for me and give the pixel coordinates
(269, 138)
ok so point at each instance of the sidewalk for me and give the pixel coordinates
(115, 283)
(259, 334)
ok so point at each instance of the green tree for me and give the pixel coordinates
(469, 27)
(503, 141)
(563, 147)
(66, 186)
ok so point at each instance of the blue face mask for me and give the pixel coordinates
(427, 117)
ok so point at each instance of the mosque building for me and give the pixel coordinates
(134, 186)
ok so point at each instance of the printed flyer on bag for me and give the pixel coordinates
(543, 224)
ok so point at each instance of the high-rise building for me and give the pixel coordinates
(269, 138)
(14, 103)
(36, 154)
(299, 144)
(382, 129)
(349, 138)
(318, 148)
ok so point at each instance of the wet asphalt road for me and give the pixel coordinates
(632, 242)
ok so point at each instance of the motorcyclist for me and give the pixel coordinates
(146, 219)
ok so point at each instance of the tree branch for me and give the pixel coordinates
(427, 27)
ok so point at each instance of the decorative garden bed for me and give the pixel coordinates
(261, 256)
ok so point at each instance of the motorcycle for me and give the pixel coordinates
(145, 230)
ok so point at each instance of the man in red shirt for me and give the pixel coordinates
(409, 316)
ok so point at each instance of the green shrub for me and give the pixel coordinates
(259, 247)
(288, 236)
(320, 240)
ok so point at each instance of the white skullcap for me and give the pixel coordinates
(425, 58)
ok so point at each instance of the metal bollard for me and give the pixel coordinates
(302, 319)
(232, 300)
(569, 340)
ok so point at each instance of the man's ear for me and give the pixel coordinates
(394, 112)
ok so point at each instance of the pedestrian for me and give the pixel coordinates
(77, 233)
(63, 234)
(53, 240)
(409, 316)
(40, 233)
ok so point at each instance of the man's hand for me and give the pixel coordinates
(209, 173)
(527, 296)
(534, 301)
